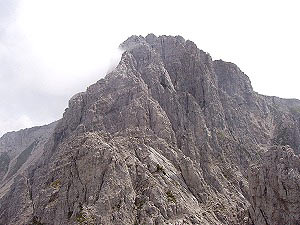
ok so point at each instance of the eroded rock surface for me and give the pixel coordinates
(274, 188)
(19, 150)
(166, 138)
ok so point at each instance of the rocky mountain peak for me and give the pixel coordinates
(167, 137)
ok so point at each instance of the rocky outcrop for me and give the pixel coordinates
(274, 188)
(19, 150)
(166, 138)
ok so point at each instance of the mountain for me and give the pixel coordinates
(274, 188)
(170, 136)
(18, 150)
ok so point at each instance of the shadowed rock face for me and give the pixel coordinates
(18, 150)
(165, 138)
(274, 188)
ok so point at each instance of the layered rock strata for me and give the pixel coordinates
(166, 138)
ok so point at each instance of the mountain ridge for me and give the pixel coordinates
(166, 138)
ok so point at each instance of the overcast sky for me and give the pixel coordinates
(52, 49)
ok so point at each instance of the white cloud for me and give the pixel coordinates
(21, 121)
(51, 49)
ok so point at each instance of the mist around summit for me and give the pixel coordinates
(169, 136)
(45, 59)
(41, 69)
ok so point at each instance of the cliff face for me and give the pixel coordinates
(274, 188)
(18, 150)
(165, 138)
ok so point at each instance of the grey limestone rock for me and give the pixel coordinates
(167, 137)
(19, 150)
(274, 188)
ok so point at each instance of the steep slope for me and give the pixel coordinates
(18, 150)
(166, 138)
(274, 188)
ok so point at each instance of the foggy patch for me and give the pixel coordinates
(38, 74)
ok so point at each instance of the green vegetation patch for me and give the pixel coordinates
(160, 169)
(36, 221)
(171, 197)
(56, 184)
(80, 218)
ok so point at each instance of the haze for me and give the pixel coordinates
(52, 49)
